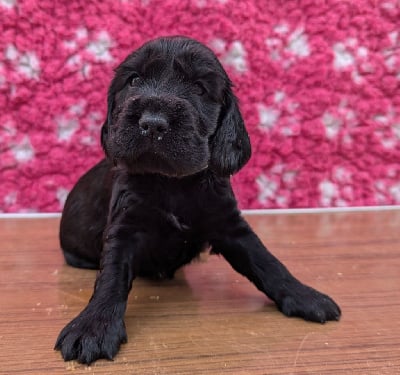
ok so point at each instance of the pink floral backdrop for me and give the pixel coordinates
(318, 82)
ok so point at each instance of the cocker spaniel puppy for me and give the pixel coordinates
(173, 137)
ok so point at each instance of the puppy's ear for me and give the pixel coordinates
(230, 144)
(110, 107)
(104, 128)
(104, 135)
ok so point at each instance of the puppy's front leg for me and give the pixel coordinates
(99, 330)
(248, 256)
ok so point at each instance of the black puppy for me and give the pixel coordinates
(173, 137)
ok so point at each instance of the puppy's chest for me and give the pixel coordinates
(173, 233)
(186, 207)
(157, 195)
(182, 216)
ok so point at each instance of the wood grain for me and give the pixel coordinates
(210, 320)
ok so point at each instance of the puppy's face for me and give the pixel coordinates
(167, 105)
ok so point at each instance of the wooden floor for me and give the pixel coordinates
(210, 320)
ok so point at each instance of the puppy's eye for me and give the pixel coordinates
(134, 78)
(199, 88)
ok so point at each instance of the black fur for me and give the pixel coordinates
(173, 136)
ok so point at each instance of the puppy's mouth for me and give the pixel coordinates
(154, 162)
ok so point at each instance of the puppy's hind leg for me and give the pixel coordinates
(84, 217)
(79, 262)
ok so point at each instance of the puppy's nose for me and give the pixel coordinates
(153, 125)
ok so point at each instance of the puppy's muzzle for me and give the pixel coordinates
(153, 125)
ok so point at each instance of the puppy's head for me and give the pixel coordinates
(171, 111)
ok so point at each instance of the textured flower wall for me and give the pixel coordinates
(318, 82)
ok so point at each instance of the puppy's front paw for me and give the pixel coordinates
(309, 304)
(90, 337)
